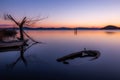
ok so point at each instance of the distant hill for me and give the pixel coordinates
(61, 28)
(110, 27)
(83, 28)
(52, 28)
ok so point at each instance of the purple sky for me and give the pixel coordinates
(67, 13)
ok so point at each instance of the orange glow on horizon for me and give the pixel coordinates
(69, 24)
(75, 25)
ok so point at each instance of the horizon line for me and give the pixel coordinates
(13, 26)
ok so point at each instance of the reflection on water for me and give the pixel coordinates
(59, 43)
(21, 57)
(110, 32)
(75, 31)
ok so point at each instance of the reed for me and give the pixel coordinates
(5, 34)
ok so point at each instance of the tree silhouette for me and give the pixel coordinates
(24, 22)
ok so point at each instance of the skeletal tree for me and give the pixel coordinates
(24, 21)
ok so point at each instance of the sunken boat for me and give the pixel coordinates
(82, 54)
(12, 44)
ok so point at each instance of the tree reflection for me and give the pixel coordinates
(21, 57)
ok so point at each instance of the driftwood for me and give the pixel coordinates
(82, 54)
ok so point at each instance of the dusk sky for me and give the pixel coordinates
(65, 13)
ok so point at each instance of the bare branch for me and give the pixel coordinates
(25, 20)
(33, 21)
(9, 17)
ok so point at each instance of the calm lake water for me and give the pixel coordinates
(39, 61)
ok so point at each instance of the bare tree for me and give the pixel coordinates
(24, 21)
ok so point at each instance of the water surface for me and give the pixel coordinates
(39, 61)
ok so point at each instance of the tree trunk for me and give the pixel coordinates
(21, 33)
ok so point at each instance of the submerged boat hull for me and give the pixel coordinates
(11, 44)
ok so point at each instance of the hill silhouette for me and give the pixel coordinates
(110, 27)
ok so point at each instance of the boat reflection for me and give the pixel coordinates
(82, 54)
